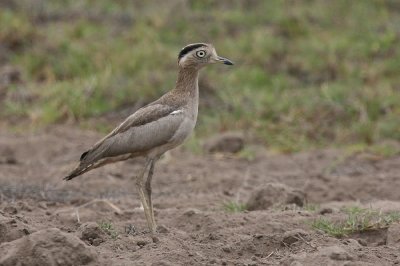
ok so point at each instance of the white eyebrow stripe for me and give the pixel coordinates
(176, 112)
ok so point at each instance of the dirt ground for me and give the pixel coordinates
(41, 224)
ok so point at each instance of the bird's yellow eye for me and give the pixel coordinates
(201, 53)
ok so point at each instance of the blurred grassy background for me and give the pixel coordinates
(308, 73)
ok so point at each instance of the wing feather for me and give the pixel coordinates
(141, 117)
(149, 127)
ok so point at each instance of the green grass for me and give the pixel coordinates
(247, 153)
(233, 207)
(358, 220)
(311, 207)
(108, 228)
(308, 73)
(384, 149)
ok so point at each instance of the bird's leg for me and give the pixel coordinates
(142, 194)
(148, 196)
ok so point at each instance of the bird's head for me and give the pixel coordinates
(198, 55)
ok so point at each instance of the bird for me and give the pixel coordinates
(155, 128)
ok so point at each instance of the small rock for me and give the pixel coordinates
(229, 142)
(96, 242)
(191, 212)
(213, 236)
(291, 237)
(362, 242)
(381, 243)
(227, 249)
(90, 232)
(325, 210)
(10, 160)
(10, 210)
(275, 194)
(42, 205)
(228, 192)
(213, 261)
(335, 253)
(7, 154)
(352, 243)
(155, 240)
(258, 236)
(141, 243)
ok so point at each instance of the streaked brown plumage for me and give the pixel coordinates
(157, 127)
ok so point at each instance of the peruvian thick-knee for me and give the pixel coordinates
(157, 127)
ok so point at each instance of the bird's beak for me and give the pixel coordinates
(224, 61)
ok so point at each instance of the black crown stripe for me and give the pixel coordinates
(189, 48)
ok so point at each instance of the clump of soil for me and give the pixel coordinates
(228, 142)
(293, 236)
(7, 156)
(47, 247)
(275, 194)
(393, 235)
(13, 228)
(91, 233)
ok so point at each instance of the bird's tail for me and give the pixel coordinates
(85, 166)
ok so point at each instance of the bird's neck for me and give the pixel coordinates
(187, 82)
(187, 89)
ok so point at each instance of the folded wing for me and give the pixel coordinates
(149, 127)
